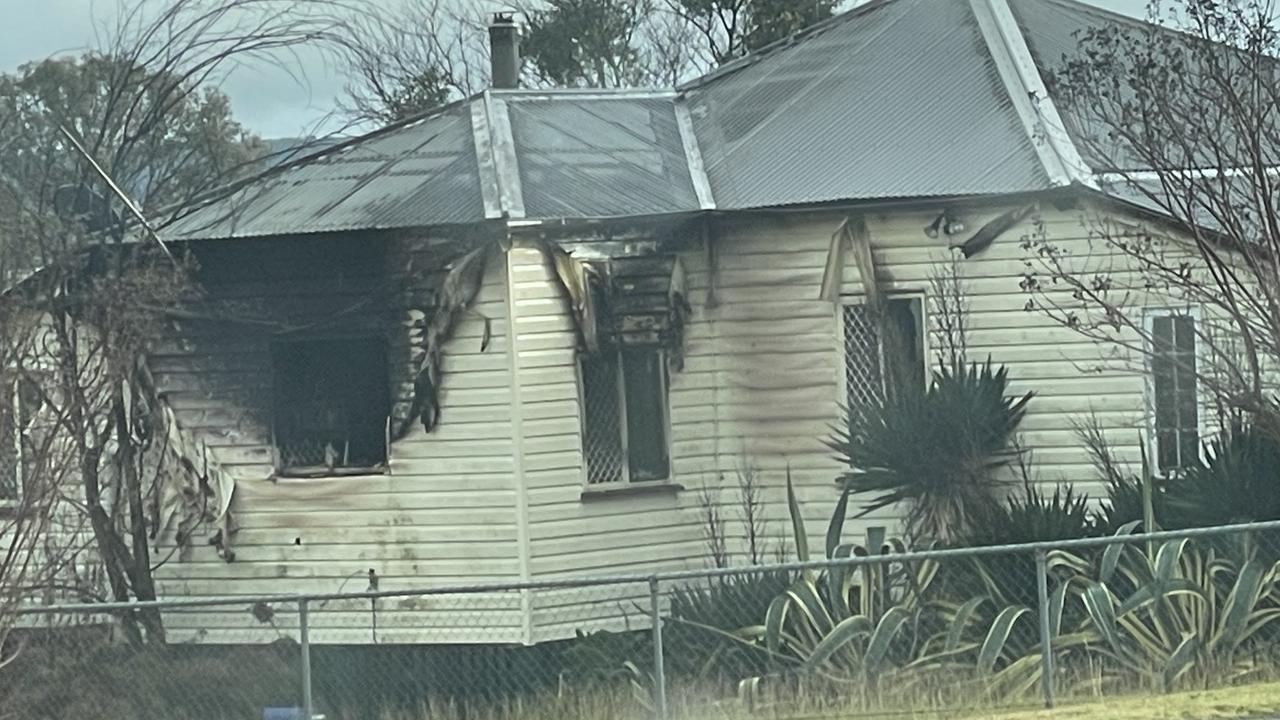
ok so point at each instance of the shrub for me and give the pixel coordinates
(1239, 482)
(702, 614)
(78, 673)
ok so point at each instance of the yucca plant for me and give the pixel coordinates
(1238, 482)
(1025, 517)
(1035, 516)
(938, 451)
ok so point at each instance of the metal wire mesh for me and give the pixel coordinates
(863, 372)
(602, 444)
(882, 632)
(233, 661)
(10, 445)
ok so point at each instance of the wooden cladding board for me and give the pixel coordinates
(443, 513)
(758, 393)
(761, 388)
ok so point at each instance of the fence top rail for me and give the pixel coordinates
(570, 582)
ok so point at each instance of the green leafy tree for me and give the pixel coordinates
(732, 28)
(587, 42)
(154, 132)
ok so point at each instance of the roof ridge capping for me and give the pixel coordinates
(524, 93)
(1062, 160)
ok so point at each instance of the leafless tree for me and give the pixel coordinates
(410, 58)
(140, 132)
(713, 524)
(1184, 124)
(38, 546)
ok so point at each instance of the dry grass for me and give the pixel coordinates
(1245, 701)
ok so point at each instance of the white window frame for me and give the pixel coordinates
(842, 379)
(621, 389)
(1149, 316)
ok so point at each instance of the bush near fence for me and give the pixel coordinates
(953, 629)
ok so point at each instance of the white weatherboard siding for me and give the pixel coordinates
(495, 492)
(443, 514)
(567, 534)
(762, 384)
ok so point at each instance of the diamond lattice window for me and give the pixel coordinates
(882, 351)
(624, 416)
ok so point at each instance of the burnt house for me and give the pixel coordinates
(512, 338)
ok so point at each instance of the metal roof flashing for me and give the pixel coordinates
(1018, 69)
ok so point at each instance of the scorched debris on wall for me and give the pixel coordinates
(636, 300)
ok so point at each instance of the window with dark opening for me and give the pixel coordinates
(624, 419)
(20, 435)
(332, 401)
(884, 353)
(10, 444)
(1173, 393)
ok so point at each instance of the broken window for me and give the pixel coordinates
(1173, 398)
(882, 353)
(624, 415)
(331, 406)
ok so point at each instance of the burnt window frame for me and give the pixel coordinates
(664, 393)
(919, 304)
(300, 471)
(1184, 458)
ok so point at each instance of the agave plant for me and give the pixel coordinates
(938, 451)
(858, 626)
(1180, 609)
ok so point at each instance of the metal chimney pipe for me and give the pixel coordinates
(504, 51)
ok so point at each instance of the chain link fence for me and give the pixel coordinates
(880, 632)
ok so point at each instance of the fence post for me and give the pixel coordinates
(659, 665)
(1046, 632)
(304, 640)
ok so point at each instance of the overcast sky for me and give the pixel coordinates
(267, 100)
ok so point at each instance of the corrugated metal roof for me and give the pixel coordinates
(418, 174)
(1185, 203)
(1053, 30)
(599, 156)
(895, 99)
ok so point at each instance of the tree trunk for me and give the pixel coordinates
(144, 587)
(106, 541)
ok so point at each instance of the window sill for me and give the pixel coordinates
(324, 473)
(653, 487)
